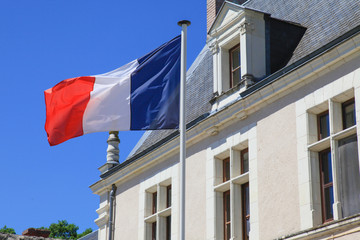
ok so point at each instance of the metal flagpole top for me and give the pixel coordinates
(187, 22)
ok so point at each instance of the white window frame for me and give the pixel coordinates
(309, 147)
(162, 210)
(231, 147)
(159, 183)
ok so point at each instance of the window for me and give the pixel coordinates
(235, 73)
(349, 177)
(326, 185)
(245, 210)
(158, 211)
(232, 194)
(348, 110)
(168, 196)
(334, 159)
(154, 202)
(168, 227)
(226, 169)
(153, 231)
(227, 221)
(244, 161)
(323, 125)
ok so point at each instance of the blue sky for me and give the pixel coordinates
(43, 42)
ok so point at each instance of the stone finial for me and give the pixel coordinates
(112, 156)
(113, 141)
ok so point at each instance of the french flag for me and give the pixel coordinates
(141, 95)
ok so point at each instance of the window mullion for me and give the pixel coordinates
(335, 126)
(335, 111)
(232, 210)
(336, 180)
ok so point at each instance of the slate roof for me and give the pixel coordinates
(91, 236)
(325, 21)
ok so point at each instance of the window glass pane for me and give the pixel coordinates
(154, 207)
(245, 210)
(227, 208)
(246, 198)
(236, 77)
(226, 170)
(327, 196)
(324, 129)
(245, 161)
(228, 233)
(349, 176)
(326, 167)
(247, 228)
(168, 228)
(153, 230)
(349, 115)
(168, 196)
(226, 199)
(235, 57)
(329, 201)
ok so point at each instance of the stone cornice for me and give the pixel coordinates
(336, 229)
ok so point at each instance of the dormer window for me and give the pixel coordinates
(235, 71)
(237, 40)
(247, 46)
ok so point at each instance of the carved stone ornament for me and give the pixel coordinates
(212, 131)
(214, 47)
(248, 80)
(246, 27)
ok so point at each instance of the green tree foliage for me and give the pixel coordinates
(60, 230)
(64, 230)
(7, 230)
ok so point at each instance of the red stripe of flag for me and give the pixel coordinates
(65, 106)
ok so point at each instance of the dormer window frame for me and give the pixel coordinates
(236, 28)
(237, 67)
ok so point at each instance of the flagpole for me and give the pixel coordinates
(182, 125)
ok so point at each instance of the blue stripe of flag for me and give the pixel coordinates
(155, 89)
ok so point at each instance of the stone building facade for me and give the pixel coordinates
(273, 105)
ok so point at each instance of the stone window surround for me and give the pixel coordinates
(216, 187)
(158, 183)
(162, 211)
(221, 65)
(334, 106)
(329, 97)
